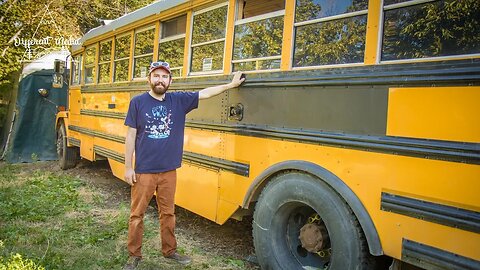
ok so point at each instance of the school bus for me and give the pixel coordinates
(355, 137)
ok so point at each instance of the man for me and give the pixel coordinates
(156, 123)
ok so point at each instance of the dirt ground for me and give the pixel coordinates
(231, 240)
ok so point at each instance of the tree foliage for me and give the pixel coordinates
(172, 51)
(209, 26)
(439, 28)
(40, 19)
(258, 39)
(336, 41)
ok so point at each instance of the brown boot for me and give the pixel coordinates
(132, 263)
(181, 259)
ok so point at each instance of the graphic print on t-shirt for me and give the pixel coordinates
(159, 124)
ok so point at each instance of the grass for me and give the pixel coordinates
(60, 222)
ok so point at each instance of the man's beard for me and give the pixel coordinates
(159, 88)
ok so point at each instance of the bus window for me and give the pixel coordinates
(258, 35)
(329, 32)
(208, 39)
(434, 29)
(122, 54)
(76, 69)
(172, 44)
(143, 52)
(104, 61)
(90, 64)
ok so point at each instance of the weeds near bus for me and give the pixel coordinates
(44, 219)
(51, 221)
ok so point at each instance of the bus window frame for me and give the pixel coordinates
(161, 40)
(326, 19)
(94, 64)
(191, 46)
(79, 68)
(172, 38)
(268, 15)
(128, 33)
(134, 57)
(412, 60)
(105, 62)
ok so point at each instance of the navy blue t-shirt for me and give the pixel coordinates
(160, 128)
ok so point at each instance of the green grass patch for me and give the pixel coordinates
(44, 219)
(55, 221)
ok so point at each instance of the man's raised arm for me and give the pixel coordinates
(216, 90)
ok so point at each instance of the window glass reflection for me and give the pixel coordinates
(105, 51)
(144, 42)
(209, 28)
(141, 66)
(176, 72)
(314, 9)
(90, 56)
(209, 25)
(331, 42)
(441, 28)
(104, 62)
(89, 74)
(104, 73)
(208, 57)
(258, 39)
(76, 69)
(143, 52)
(90, 64)
(121, 71)
(122, 47)
(122, 55)
(172, 51)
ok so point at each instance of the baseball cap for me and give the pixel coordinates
(159, 64)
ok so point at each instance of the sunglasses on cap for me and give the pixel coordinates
(160, 64)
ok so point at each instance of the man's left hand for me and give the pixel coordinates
(237, 79)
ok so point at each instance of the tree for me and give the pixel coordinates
(40, 19)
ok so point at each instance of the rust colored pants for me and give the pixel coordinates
(141, 194)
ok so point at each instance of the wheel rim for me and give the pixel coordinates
(300, 216)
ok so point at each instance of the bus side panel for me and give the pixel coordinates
(74, 101)
(197, 190)
(369, 174)
(442, 113)
(298, 124)
(118, 168)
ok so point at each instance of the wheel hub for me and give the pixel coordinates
(312, 237)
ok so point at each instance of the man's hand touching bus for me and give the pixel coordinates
(216, 90)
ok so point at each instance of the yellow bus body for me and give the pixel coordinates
(408, 177)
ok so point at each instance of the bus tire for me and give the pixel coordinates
(301, 223)
(67, 156)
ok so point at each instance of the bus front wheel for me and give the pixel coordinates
(301, 223)
(67, 156)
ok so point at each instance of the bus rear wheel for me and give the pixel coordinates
(301, 223)
(67, 156)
